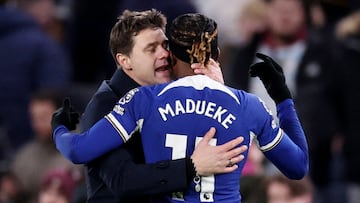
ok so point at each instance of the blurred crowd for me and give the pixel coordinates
(51, 49)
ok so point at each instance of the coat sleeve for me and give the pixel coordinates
(126, 179)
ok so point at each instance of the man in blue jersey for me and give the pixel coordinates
(173, 116)
(139, 38)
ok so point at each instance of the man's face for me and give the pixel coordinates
(278, 193)
(40, 114)
(286, 17)
(149, 58)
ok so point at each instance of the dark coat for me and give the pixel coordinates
(347, 96)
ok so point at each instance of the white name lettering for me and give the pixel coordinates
(209, 109)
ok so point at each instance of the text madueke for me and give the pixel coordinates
(201, 107)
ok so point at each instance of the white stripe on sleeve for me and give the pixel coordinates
(118, 127)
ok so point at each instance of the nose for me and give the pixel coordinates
(164, 53)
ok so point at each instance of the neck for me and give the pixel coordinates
(182, 69)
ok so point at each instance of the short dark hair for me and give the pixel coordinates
(193, 38)
(129, 24)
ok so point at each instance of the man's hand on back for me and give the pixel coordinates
(209, 159)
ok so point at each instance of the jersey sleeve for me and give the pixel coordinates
(291, 154)
(108, 133)
(285, 145)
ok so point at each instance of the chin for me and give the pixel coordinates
(163, 80)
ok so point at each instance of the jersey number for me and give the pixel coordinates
(178, 144)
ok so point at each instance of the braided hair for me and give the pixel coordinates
(193, 38)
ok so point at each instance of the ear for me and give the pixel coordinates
(124, 61)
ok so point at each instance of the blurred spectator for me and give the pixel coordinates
(252, 20)
(348, 27)
(171, 9)
(317, 15)
(6, 152)
(89, 29)
(40, 154)
(30, 61)
(57, 187)
(45, 13)
(346, 96)
(226, 15)
(307, 60)
(10, 189)
(252, 188)
(280, 189)
(254, 164)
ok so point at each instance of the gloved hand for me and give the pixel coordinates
(65, 116)
(272, 76)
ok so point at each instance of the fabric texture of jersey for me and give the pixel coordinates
(172, 117)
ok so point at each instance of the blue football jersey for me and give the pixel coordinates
(173, 117)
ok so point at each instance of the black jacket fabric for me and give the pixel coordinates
(121, 175)
(347, 96)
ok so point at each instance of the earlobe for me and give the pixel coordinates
(123, 61)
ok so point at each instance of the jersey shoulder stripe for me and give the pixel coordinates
(274, 142)
(118, 127)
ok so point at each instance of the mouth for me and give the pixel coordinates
(165, 67)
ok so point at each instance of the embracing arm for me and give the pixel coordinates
(84, 147)
(81, 147)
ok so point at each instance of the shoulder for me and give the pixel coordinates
(245, 97)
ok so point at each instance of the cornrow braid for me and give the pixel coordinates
(193, 38)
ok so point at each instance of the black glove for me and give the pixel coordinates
(65, 116)
(272, 76)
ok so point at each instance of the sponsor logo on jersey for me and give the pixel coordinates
(128, 96)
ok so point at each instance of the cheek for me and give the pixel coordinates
(143, 62)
